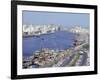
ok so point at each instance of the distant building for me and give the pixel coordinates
(79, 29)
(35, 30)
(29, 30)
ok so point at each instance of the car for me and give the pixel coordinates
(81, 52)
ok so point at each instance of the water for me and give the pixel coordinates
(60, 40)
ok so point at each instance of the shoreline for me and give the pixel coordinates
(62, 54)
(74, 43)
(36, 35)
(43, 60)
(31, 35)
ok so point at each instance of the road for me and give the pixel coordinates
(84, 59)
(68, 59)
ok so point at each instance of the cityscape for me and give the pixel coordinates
(55, 39)
(52, 45)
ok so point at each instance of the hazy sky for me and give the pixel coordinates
(65, 19)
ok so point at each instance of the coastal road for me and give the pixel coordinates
(83, 59)
(67, 60)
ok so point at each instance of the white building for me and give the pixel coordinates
(79, 29)
(39, 29)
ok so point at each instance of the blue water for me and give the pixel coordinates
(60, 40)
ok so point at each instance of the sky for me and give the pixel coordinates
(60, 18)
